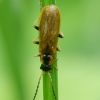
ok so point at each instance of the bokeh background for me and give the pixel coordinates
(79, 60)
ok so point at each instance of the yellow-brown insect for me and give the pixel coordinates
(49, 31)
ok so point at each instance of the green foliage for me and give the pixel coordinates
(47, 2)
(47, 87)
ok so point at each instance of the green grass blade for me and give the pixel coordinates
(47, 88)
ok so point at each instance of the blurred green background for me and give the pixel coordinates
(79, 60)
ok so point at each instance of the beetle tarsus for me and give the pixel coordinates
(61, 35)
(37, 55)
(36, 27)
(58, 49)
(36, 42)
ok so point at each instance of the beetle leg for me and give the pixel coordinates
(55, 59)
(37, 55)
(40, 5)
(61, 35)
(56, 67)
(36, 27)
(35, 42)
(58, 49)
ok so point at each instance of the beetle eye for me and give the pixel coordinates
(41, 58)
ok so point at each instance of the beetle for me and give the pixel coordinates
(49, 31)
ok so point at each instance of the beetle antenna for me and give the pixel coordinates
(52, 85)
(38, 85)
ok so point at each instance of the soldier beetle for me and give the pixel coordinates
(49, 31)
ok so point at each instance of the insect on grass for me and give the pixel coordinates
(49, 31)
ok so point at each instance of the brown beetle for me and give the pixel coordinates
(49, 31)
